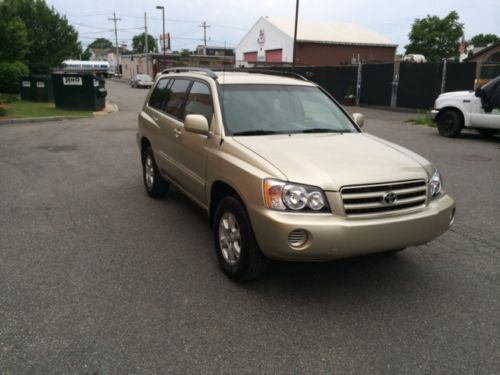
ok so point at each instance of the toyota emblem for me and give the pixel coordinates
(389, 197)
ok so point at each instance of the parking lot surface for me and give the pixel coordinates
(95, 277)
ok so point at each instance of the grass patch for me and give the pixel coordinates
(20, 109)
(423, 119)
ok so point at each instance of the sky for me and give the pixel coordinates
(230, 20)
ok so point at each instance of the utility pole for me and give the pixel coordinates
(295, 34)
(116, 42)
(163, 36)
(146, 41)
(205, 26)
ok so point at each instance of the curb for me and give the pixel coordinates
(110, 108)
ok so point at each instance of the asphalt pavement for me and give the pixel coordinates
(97, 278)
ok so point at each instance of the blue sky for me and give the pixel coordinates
(229, 20)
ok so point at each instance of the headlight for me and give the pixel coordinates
(436, 185)
(280, 195)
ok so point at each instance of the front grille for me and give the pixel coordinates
(384, 198)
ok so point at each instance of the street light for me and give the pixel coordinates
(163, 14)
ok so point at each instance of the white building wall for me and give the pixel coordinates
(273, 38)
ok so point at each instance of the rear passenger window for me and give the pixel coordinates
(199, 101)
(169, 96)
(160, 95)
(178, 92)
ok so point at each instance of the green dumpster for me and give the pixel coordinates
(37, 88)
(79, 91)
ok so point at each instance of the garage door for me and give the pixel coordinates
(274, 55)
(250, 56)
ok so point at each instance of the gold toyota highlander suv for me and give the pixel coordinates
(283, 171)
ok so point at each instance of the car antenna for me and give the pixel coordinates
(224, 81)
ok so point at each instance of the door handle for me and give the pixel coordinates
(177, 133)
(155, 118)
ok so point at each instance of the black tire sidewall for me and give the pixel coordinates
(456, 128)
(159, 187)
(249, 248)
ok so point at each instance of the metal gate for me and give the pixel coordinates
(376, 84)
(337, 80)
(419, 85)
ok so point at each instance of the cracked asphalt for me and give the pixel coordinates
(96, 278)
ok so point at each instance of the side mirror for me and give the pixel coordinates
(196, 124)
(359, 119)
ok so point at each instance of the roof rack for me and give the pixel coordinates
(282, 73)
(208, 72)
(212, 74)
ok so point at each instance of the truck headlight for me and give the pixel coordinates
(283, 196)
(436, 185)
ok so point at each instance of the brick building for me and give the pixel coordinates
(270, 41)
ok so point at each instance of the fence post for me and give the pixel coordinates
(395, 83)
(358, 84)
(443, 78)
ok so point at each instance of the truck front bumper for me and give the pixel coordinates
(434, 114)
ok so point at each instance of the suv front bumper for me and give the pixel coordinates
(332, 237)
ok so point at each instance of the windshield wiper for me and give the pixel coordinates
(257, 132)
(323, 130)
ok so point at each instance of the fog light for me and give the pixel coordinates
(297, 238)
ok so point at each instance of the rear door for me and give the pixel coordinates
(167, 111)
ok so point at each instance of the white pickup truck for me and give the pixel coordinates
(478, 110)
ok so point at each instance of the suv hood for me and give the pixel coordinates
(331, 161)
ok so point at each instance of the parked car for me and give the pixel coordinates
(480, 110)
(141, 81)
(283, 171)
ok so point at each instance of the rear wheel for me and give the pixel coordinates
(237, 250)
(156, 186)
(450, 124)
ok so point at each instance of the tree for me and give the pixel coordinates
(482, 40)
(139, 43)
(53, 38)
(14, 43)
(101, 43)
(436, 38)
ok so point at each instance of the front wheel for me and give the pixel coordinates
(235, 244)
(450, 124)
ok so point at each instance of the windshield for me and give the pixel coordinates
(144, 77)
(281, 109)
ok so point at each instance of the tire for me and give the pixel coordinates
(395, 251)
(450, 124)
(487, 132)
(155, 185)
(237, 251)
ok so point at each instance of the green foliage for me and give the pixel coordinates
(54, 39)
(139, 43)
(482, 40)
(14, 43)
(436, 38)
(10, 76)
(3, 112)
(101, 43)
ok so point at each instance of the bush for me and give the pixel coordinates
(3, 112)
(10, 76)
